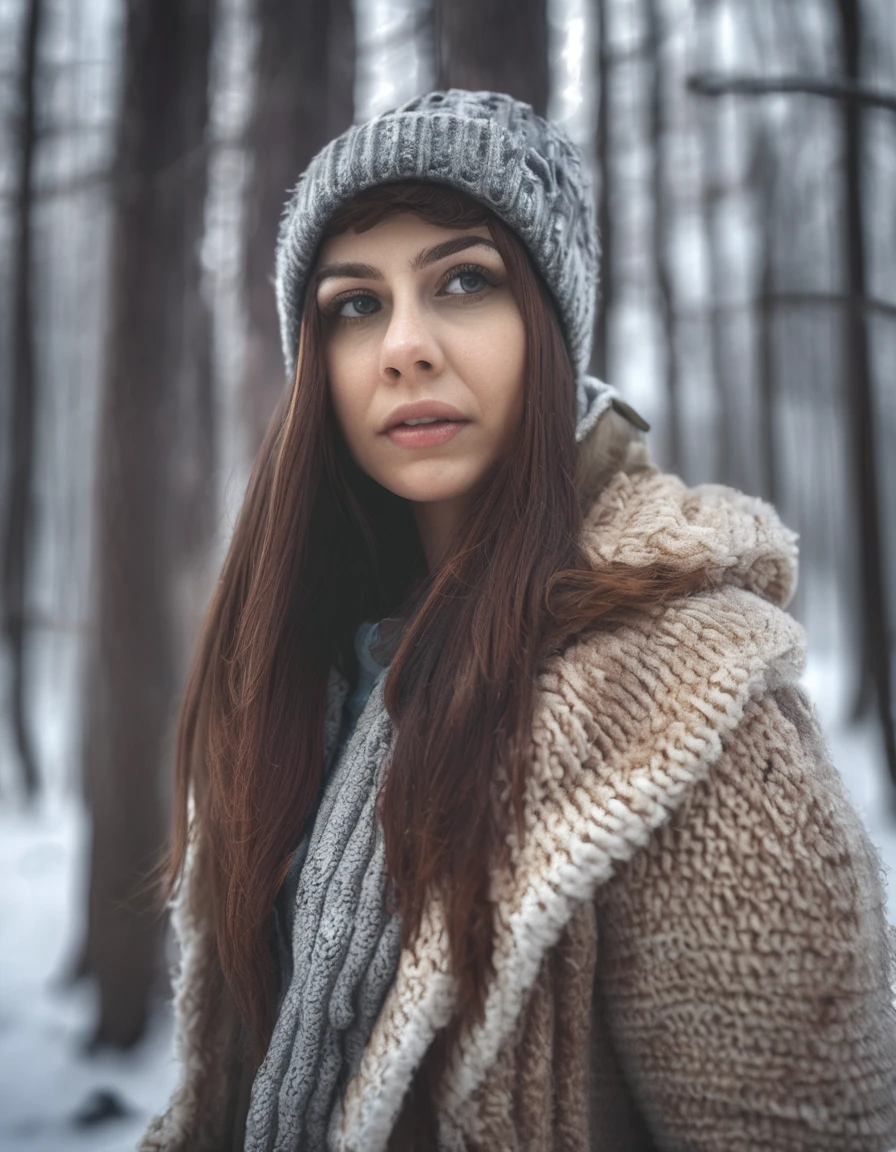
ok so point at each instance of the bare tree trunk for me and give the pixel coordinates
(766, 319)
(500, 45)
(19, 514)
(712, 192)
(661, 194)
(603, 151)
(341, 51)
(875, 636)
(153, 492)
(304, 96)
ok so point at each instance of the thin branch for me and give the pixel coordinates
(34, 619)
(718, 84)
(869, 304)
(53, 130)
(82, 182)
(102, 177)
(50, 68)
(795, 299)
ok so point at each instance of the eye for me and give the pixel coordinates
(354, 307)
(471, 280)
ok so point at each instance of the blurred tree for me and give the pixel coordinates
(875, 678)
(766, 180)
(663, 209)
(500, 45)
(715, 189)
(303, 96)
(19, 518)
(872, 613)
(599, 357)
(154, 497)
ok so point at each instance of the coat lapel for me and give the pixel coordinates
(626, 723)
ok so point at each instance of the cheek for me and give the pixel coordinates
(346, 395)
(507, 371)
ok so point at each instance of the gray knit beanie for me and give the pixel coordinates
(494, 148)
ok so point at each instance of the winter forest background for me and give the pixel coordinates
(744, 155)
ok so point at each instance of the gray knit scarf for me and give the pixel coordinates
(345, 945)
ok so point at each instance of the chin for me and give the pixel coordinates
(430, 495)
(431, 489)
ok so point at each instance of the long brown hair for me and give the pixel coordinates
(319, 547)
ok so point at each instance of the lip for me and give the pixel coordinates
(421, 410)
(425, 435)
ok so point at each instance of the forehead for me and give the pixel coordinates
(401, 235)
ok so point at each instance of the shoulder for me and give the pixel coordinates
(772, 818)
(644, 516)
(648, 705)
(747, 946)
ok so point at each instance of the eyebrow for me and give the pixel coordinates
(422, 260)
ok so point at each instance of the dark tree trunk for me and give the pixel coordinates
(19, 511)
(599, 358)
(499, 45)
(154, 498)
(304, 85)
(661, 194)
(712, 193)
(766, 330)
(875, 634)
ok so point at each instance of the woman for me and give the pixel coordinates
(509, 823)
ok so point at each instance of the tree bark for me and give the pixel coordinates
(304, 96)
(599, 357)
(661, 193)
(154, 495)
(712, 193)
(875, 679)
(19, 510)
(766, 328)
(499, 45)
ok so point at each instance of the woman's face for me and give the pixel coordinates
(425, 355)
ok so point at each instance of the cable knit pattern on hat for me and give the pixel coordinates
(691, 950)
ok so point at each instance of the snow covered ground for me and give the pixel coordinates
(46, 1080)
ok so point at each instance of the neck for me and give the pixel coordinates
(438, 523)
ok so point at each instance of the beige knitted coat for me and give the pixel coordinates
(691, 951)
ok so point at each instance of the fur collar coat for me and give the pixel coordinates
(691, 950)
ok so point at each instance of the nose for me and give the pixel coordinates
(410, 348)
